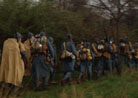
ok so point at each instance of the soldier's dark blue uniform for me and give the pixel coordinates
(68, 65)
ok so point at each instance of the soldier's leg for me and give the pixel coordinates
(130, 65)
(80, 76)
(120, 66)
(2, 86)
(116, 61)
(83, 66)
(105, 65)
(14, 91)
(136, 63)
(7, 90)
(51, 73)
(52, 76)
(122, 63)
(89, 71)
(113, 62)
(109, 64)
(37, 83)
(45, 81)
(67, 76)
(100, 66)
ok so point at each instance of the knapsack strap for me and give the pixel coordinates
(64, 45)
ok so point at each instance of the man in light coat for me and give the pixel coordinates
(12, 65)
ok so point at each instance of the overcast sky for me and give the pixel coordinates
(36, 0)
(90, 1)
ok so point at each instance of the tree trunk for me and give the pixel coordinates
(118, 44)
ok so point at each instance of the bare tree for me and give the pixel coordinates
(62, 4)
(78, 4)
(73, 5)
(113, 10)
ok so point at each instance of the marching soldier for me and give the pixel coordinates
(85, 59)
(128, 51)
(28, 47)
(12, 65)
(114, 55)
(136, 55)
(98, 48)
(107, 56)
(53, 60)
(42, 49)
(68, 57)
(122, 55)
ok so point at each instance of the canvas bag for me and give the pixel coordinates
(66, 54)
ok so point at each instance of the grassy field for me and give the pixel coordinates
(125, 86)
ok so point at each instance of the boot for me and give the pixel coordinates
(14, 92)
(1, 92)
(6, 92)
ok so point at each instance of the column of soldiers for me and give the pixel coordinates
(37, 57)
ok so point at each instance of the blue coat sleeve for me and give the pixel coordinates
(61, 49)
(74, 51)
(51, 49)
(55, 53)
(110, 48)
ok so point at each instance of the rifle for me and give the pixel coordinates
(67, 26)
(22, 54)
(44, 27)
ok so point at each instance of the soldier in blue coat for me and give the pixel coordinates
(129, 52)
(136, 55)
(122, 56)
(85, 59)
(41, 52)
(107, 56)
(53, 59)
(98, 48)
(68, 57)
(114, 54)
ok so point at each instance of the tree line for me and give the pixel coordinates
(82, 18)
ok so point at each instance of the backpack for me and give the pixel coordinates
(114, 48)
(37, 45)
(122, 47)
(85, 54)
(66, 55)
(136, 53)
(100, 47)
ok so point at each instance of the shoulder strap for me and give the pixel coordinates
(94, 48)
(64, 45)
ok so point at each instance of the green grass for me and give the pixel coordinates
(125, 86)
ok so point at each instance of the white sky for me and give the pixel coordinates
(36, 0)
(90, 1)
